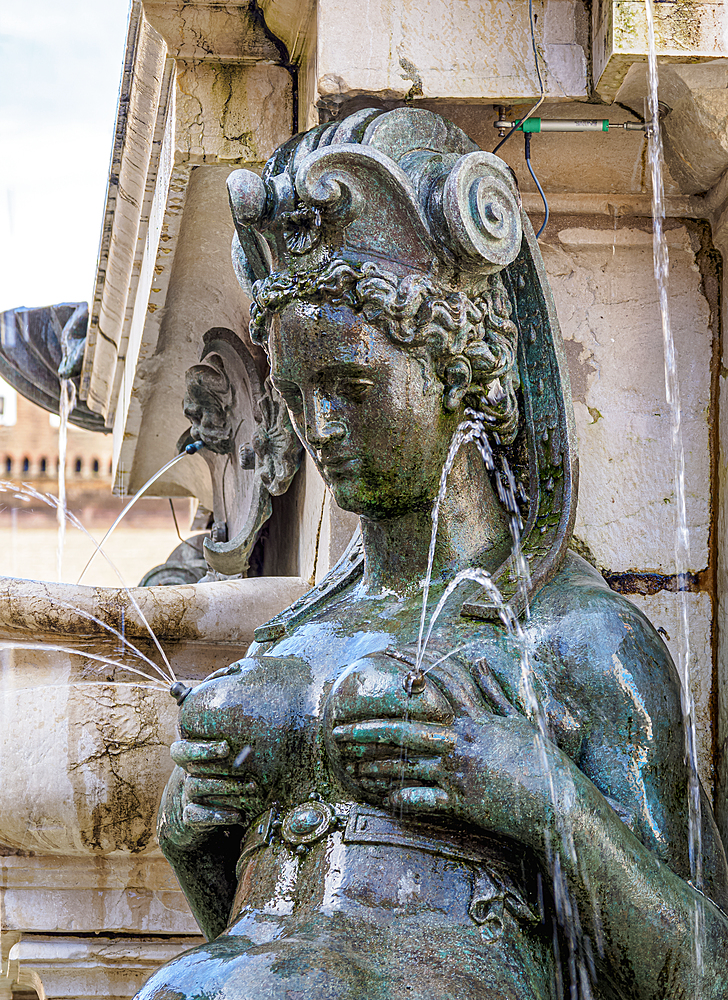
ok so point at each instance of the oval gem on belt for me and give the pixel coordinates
(308, 822)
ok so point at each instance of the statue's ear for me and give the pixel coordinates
(457, 377)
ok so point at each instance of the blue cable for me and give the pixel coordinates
(527, 137)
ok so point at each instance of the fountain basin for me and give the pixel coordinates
(84, 745)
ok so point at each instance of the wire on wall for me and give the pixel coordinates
(527, 153)
(541, 99)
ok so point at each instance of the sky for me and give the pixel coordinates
(60, 66)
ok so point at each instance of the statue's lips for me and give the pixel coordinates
(339, 465)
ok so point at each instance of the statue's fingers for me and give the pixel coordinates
(186, 752)
(421, 769)
(420, 798)
(203, 816)
(491, 688)
(356, 737)
(199, 789)
(232, 668)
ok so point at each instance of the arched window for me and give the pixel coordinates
(43, 466)
(26, 464)
(78, 466)
(95, 466)
(8, 464)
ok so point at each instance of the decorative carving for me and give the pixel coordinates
(38, 348)
(251, 448)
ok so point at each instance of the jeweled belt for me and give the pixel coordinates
(305, 824)
(311, 821)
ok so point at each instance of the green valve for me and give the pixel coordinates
(565, 125)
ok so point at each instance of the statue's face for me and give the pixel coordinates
(369, 412)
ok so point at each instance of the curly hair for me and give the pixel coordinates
(473, 341)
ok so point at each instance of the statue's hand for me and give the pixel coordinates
(494, 771)
(216, 790)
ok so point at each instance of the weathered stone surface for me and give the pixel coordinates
(721, 609)
(694, 125)
(230, 113)
(122, 895)
(89, 778)
(606, 298)
(223, 612)
(683, 32)
(228, 32)
(135, 164)
(477, 50)
(194, 290)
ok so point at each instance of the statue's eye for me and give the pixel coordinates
(355, 389)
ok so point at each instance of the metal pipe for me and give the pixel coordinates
(568, 125)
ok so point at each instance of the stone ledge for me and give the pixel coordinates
(65, 967)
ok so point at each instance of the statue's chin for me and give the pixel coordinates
(375, 504)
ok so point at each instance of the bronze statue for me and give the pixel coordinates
(505, 816)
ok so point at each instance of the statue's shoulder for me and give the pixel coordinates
(602, 640)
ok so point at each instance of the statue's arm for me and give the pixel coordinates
(203, 857)
(626, 698)
(633, 863)
(636, 912)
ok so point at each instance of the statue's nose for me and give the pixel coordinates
(322, 423)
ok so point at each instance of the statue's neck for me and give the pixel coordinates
(472, 531)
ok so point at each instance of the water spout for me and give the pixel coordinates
(190, 449)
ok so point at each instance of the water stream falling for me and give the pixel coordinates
(66, 405)
(682, 536)
(27, 493)
(189, 450)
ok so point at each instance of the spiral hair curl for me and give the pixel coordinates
(462, 334)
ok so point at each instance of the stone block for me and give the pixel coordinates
(606, 299)
(65, 967)
(473, 50)
(121, 895)
(84, 766)
(685, 31)
(231, 113)
(229, 32)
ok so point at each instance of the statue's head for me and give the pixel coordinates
(395, 282)
(374, 246)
